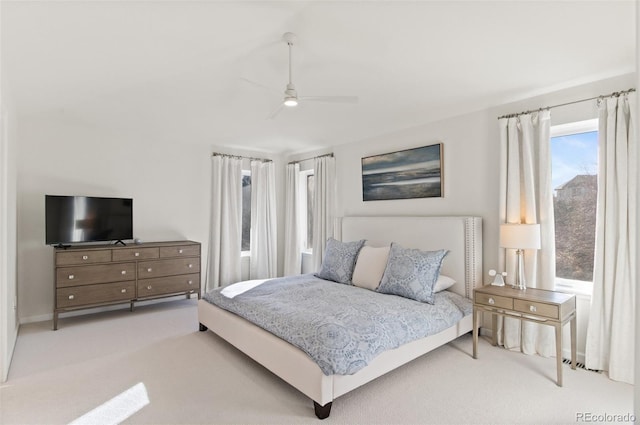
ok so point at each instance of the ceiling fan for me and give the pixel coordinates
(291, 97)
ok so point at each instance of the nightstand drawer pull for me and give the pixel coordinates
(532, 308)
(123, 290)
(190, 266)
(492, 301)
(137, 254)
(85, 257)
(123, 272)
(149, 269)
(179, 251)
(71, 296)
(71, 277)
(149, 287)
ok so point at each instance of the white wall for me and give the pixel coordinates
(470, 151)
(59, 154)
(8, 247)
(469, 177)
(471, 174)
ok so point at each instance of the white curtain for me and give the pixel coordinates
(264, 239)
(323, 208)
(292, 222)
(225, 233)
(612, 319)
(526, 196)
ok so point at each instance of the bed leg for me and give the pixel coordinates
(322, 412)
(202, 328)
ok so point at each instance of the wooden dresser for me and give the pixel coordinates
(99, 275)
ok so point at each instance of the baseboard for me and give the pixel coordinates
(566, 352)
(124, 306)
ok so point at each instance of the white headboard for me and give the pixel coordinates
(462, 236)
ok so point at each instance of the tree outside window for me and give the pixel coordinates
(574, 178)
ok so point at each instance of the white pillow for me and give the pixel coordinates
(443, 282)
(370, 267)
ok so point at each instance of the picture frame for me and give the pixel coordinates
(406, 174)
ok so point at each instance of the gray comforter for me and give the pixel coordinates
(341, 327)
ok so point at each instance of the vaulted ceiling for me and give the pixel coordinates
(212, 72)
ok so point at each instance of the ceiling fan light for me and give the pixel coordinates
(290, 101)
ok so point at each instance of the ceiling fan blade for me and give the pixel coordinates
(332, 99)
(275, 113)
(259, 85)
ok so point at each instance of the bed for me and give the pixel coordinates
(461, 236)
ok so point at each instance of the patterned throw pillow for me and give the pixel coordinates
(412, 273)
(339, 260)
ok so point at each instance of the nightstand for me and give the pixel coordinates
(534, 305)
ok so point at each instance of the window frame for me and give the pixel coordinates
(578, 287)
(302, 208)
(248, 252)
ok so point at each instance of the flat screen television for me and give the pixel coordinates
(77, 219)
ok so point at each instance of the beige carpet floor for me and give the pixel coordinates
(152, 366)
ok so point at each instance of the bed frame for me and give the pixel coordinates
(462, 236)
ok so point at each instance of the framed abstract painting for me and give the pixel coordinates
(411, 173)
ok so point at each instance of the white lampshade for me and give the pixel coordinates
(520, 236)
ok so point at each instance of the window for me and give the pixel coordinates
(307, 185)
(574, 168)
(246, 210)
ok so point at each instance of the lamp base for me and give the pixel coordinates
(520, 282)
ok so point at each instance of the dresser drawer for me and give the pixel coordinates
(494, 300)
(179, 251)
(151, 269)
(83, 257)
(537, 309)
(135, 254)
(95, 294)
(99, 273)
(168, 285)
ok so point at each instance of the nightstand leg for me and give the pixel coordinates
(573, 342)
(494, 331)
(475, 333)
(558, 327)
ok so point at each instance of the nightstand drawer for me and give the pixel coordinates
(536, 309)
(494, 300)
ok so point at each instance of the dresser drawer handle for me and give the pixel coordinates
(124, 290)
(492, 301)
(85, 257)
(137, 254)
(123, 272)
(179, 251)
(71, 277)
(190, 266)
(190, 282)
(71, 296)
(148, 286)
(532, 308)
(149, 269)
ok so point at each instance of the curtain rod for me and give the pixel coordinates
(251, 158)
(614, 94)
(307, 159)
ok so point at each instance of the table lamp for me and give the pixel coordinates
(520, 237)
